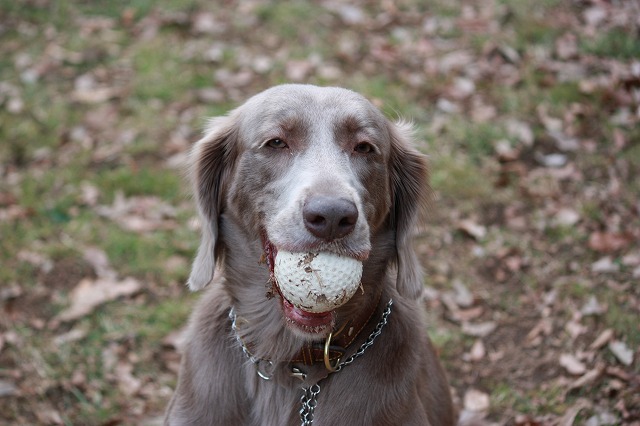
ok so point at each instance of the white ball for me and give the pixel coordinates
(317, 282)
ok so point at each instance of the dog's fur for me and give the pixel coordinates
(251, 190)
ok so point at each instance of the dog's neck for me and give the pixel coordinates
(304, 369)
(263, 328)
(334, 347)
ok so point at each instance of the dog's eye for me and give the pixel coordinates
(277, 143)
(364, 148)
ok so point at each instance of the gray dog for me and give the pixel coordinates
(307, 169)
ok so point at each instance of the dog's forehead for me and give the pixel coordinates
(290, 106)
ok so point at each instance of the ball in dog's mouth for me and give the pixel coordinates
(312, 285)
(317, 282)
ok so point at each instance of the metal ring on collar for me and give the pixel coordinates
(327, 361)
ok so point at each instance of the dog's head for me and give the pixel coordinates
(303, 168)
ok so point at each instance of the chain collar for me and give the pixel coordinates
(309, 399)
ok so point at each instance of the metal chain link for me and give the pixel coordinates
(256, 361)
(309, 399)
(375, 333)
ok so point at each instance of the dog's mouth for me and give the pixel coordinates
(311, 324)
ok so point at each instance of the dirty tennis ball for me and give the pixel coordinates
(317, 282)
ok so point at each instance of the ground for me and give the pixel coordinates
(529, 112)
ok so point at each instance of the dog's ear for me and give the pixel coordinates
(410, 194)
(211, 163)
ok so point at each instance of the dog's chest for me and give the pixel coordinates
(280, 404)
(275, 404)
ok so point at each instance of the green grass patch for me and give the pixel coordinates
(563, 94)
(458, 179)
(141, 255)
(392, 96)
(623, 318)
(283, 18)
(476, 140)
(524, 99)
(145, 181)
(505, 397)
(617, 43)
(561, 233)
(632, 155)
(442, 337)
(161, 72)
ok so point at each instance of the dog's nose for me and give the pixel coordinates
(329, 218)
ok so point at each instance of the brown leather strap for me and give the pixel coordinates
(344, 336)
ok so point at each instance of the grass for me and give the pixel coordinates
(278, 17)
(145, 181)
(458, 177)
(45, 164)
(619, 43)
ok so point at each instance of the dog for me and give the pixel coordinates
(303, 168)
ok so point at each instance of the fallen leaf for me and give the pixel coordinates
(544, 327)
(481, 112)
(127, 382)
(513, 263)
(631, 259)
(481, 329)
(36, 259)
(472, 229)
(99, 261)
(619, 373)
(49, 416)
(89, 193)
(606, 242)
(604, 418)
(604, 265)
(567, 46)
(462, 88)
(564, 142)
(476, 353)
(140, 213)
(572, 364)
(466, 315)
(463, 297)
(95, 95)
(210, 95)
(521, 131)
(587, 378)
(575, 328)
(594, 15)
(89, 294)
(349, 14)
(447, 106)
(475, 400)
(72, 335)
(505, 151)
(566, 217)
(593, 307)
(570, 415)
(457, 59)
(602, 339)
(207, 23)
(7, 293)
(176, 339)
(621, 352)
(7, 388)
(551, 160)
(298, 70)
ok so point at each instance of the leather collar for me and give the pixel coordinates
(343, 336)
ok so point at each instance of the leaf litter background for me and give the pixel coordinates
(529, 112)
